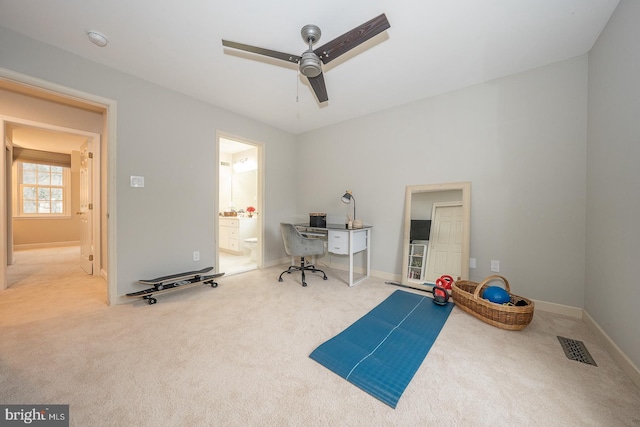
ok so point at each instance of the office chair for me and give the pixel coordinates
(296, 245)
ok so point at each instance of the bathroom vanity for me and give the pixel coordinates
(233, 231)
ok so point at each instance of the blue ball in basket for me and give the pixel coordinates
(496, 294)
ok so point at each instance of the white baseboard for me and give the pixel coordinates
(44, 245)
(123, 299)
(390, 277)
(625, 363)
(612, 348)
(564, 310)
(273, 263)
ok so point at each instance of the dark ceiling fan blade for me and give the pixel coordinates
(340, 45)
(317, 83)
(260, 51)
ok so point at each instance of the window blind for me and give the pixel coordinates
(41, 157)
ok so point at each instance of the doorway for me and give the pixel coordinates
(48, 93)
(68, 218)
(239, 196)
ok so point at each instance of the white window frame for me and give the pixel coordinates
(66, 193)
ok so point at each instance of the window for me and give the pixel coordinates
(42, 190)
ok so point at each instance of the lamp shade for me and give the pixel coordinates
(348, 196)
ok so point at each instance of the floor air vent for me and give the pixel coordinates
(576, 350)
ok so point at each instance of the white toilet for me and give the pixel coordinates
(252, 244)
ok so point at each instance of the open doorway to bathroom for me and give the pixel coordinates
(239, 220)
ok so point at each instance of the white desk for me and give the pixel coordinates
(343, 241)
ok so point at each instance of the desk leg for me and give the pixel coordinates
(350, 258)
(368, 252)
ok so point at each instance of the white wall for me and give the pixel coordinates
(244, 190)
(520, 140)
(170, 140)
(226, 179)
(612, 294)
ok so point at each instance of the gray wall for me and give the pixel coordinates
(170, 140)
(520, 140)
(612, 294)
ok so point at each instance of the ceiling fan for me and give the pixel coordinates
(310, 62)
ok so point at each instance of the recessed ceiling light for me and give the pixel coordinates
(97, 38)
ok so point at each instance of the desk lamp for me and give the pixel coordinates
(348, 196)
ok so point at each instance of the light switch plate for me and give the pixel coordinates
(136, 181)
(495, 266)
(472, 263)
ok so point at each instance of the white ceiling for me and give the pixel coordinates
(432, 47)
(43, 139)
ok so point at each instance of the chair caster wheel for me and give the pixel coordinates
(280, 279)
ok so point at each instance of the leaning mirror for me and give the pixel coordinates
(436, 232)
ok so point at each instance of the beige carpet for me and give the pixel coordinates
(237, 355)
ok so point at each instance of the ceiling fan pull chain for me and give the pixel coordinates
(298, 94)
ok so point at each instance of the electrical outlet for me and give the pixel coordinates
(472, 263)
(495, 266)
(196, 255)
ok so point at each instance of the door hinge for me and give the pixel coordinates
(90, 257)
(90, 155)
(90, 206)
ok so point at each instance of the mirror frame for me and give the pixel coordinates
(466, 226)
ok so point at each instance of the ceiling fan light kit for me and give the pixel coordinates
(310, 62)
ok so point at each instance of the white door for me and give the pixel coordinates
(86, 207)
(444, 255)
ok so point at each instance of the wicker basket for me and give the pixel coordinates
(466, 295)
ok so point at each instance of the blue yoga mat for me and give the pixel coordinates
(381, 352)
